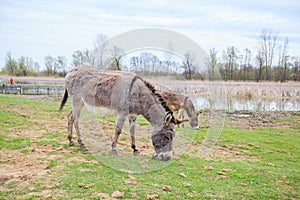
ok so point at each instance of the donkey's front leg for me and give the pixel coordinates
(131, 120)
(120, 122)
(181, 116)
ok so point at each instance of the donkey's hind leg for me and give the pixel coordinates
(70, 128)
(77, 106)
(120, 122)
(132, 120)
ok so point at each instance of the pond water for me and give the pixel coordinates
(233, 104)
(235, 96)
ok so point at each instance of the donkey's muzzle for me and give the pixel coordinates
(164, 156)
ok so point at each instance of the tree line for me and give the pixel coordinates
(271, 62)
(24, 66)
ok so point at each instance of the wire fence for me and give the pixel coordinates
(28, 89)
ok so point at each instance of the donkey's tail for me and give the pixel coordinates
(64, 100)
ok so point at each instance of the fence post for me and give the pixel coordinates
(3, 90)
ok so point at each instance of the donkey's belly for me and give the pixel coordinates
(100, 110)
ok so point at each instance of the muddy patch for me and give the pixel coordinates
(226, 153)
(252, 119)
(23, 169)
(230, 154)
(101, 136)
(36, 166)
(271, 119)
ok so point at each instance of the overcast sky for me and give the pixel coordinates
(35, 28)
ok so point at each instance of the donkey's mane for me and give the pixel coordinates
(154, 91)
(160, 98)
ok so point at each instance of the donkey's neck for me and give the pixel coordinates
(143, 102)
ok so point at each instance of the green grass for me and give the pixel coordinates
(9, 120)
(53, 135)
(54, 143)
(273, 173)
(141, 121)
(13, 143)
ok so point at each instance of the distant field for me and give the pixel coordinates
(203, 88)
(33, 79)
(256, 157)
(235, 89)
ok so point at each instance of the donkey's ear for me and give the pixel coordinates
(168, 118)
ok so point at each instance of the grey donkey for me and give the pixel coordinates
(126, 93)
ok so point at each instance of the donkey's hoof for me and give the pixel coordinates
(114, 152)
(72, 144)
(82, 146)
(136, 152)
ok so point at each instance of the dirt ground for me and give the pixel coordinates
(271, 119)
(24, 169)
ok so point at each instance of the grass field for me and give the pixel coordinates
(261, 162)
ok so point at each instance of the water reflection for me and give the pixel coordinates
(232, 104)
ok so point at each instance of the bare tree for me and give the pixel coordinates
(240, 59)
(188, 65)
(283, 60)
(154, 60)
(212, 63)
(61, 64)
(83, 57)
(100, 49)
(246, 65)
(50, 65)
(145, 60)
(260, 60)
(230, 57)
(37, 67)
(134, 63)
(267, 45)
(23, 69)
(296, 70)
(168, 56)
(116, 56)
(10, 64)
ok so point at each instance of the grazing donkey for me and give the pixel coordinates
(176, 102)
(181, 103)
(128, 94)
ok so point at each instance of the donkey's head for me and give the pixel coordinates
(194, 121)
(193, 116)
(162, 137)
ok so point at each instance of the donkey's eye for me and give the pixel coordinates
(156, 146)
(166, 141)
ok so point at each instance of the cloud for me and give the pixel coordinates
(33, 27)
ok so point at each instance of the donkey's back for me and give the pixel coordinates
(97, 87)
